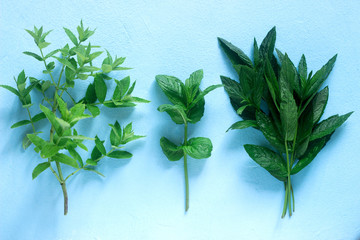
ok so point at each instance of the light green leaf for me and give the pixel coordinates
(39, 169)
(65, 62)
(106, 68)
(94, 110)
(62, 158)
(71, 36)
(20, 123)
(34, 55)
(11, 89)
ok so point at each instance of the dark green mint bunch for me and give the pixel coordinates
(286, 104)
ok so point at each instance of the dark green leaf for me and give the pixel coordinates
(198, 148)
(173, 89)
(120, 154)
(121, 88)
(192, 84)
(203, 93)
(268, 44)
(176, 113)
(171, 150)
(115, 134)
(62, 158)
(34, 55)
(243, 124)
(319, 77)
(39, 169)
(195, 113)
(302, 68)
(328, 126)
(268, 129)
(235, 54)
(76, 156)
(319, 103)
(90, 96)
(313, 149)
(100, 88)
(95, 154)
(271, 161)
(38, 117)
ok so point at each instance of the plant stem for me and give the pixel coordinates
(32, 124)
(288, 183)
(186, 172)
(63, 186)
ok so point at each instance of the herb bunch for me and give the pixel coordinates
(286, 104)
(188, 105)
(59, 107)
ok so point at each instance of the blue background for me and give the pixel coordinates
(143, 198)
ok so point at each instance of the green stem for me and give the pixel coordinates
(32, 124)
(186, 172)
(285, 201)
(63, 186)
(288, 189)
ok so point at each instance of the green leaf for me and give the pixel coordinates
(36, 140)
(20, 123)
(243, 124)
(319, 103)
(93, 170)
(34, 55)
(94, 110)
(115, 134)
(50, 54)
(100, 88)
(302, 69)
(192, 84)
(88, 69)
(65, 62)
(100, 146)
(79, 137)
(137, 100)
(171, 150)
(176, 113)
(195, 113)
(328, 126)
(43, 45)
(121, 88)
(90, 96)
(59, 125)
(268, 44)
(39, 169)
(203, 93)
(173, 89)
(271, 161)
(11, 89)
(76, 156)
(235, 54)
(268, 129)
(71, 36)
(198, 148)
(48, 150)
(62, 158)
(313, 149)
(120, 154)
(288, 108)
(319, 77)
(95, 154)
(106, 68)
(91, 162)
(26, 142)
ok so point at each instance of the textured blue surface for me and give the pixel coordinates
(143, 198)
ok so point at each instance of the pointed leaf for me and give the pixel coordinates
(71, 36)
(173, 89)
(20, 123)
(62, 158)
(236, 55)
(328, 126)
(319, 103)
(100, 88)
(39, 169)
(176, 113)
(271, 161)
(34, 55)
(243, 124)
(11, 89)
(120, 154)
